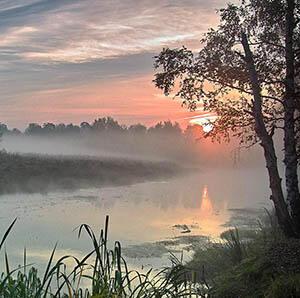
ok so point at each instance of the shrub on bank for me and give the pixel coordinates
(262, 263)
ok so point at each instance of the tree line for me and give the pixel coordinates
(103, 125)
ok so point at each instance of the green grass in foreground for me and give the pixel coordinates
(247, 263)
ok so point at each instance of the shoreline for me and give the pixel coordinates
(34, 173)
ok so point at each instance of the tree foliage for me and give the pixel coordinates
(100, 125)
(217, 78)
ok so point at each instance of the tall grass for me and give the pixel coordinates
(103, 268)
(234, 246)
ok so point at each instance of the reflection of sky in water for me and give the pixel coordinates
(144, 212)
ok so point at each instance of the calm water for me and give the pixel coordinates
(139, 214)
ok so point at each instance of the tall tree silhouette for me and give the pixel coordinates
(247, 73)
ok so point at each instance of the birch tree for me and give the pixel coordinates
(247, 73)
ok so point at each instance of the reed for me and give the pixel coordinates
(104, 269)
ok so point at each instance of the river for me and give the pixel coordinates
(142, 216)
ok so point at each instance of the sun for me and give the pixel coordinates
(206, 121)
(207, 127)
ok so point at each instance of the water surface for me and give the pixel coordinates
(140, 214)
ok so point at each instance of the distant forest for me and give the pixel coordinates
(102, 125)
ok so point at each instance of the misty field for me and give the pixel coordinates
(38, 173)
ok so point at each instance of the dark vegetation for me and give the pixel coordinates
(41, 173)
(100, 125)
(257, 262)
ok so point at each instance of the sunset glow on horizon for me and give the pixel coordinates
(61, 70)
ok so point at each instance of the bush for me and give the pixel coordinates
(248, 279)
(261, 263)
(287, 286)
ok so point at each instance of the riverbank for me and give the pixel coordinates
(43, 173)
(249, 262)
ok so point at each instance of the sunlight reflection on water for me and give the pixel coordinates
(142, 213)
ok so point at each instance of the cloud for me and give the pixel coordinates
(16, 36)
(88, 50)
(68, 60)
(81, 31)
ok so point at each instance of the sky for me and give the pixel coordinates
(76, 60)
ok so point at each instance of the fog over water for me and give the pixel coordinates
(165, 147)
(142, 215)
